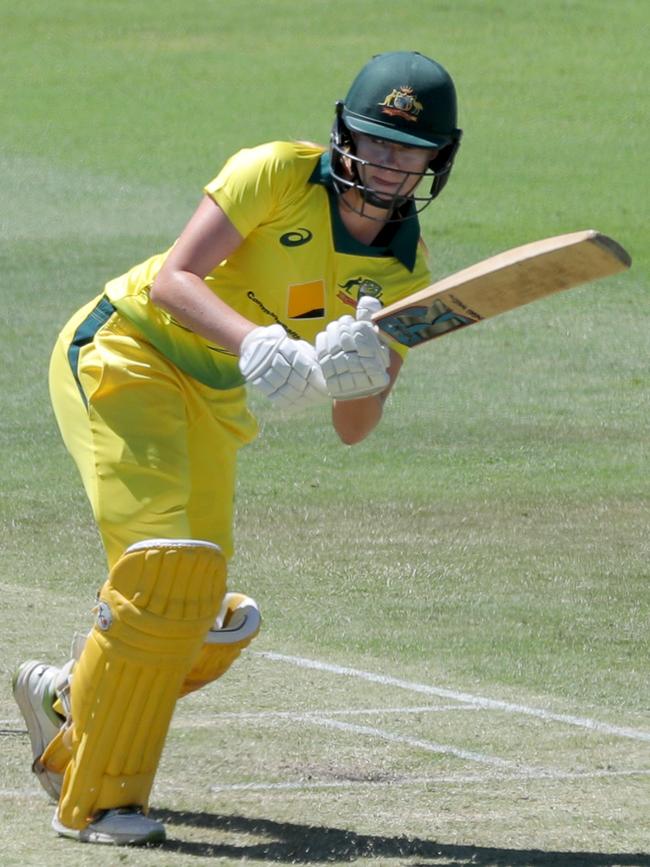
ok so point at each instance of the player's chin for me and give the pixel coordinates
(391, 193)
(382, 200)
(383, 195)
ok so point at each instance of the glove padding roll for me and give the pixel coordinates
(352, 357)
(285, 370)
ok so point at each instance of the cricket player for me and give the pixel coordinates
(269, 286)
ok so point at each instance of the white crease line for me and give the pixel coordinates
(243, 716)
(326, 722)
(316, 718)
(488, 703)
(429, 746)
(447, 780)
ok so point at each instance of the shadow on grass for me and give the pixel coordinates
(291, 843)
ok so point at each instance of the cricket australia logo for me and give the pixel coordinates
(357, 288)
(402, 103)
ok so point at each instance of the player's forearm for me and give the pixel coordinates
(353, 420)
(187, 298)
(208, 239)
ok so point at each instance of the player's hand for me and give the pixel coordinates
(352, 357)
(285, 370)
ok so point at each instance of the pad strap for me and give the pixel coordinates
(236, 626)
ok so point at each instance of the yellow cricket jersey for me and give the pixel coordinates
(298, 265)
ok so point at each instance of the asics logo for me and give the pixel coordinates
(296, 238)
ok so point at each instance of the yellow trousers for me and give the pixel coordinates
(156, 449)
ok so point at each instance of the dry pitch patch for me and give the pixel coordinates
(284, 764)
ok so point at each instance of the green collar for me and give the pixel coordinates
(404, 243)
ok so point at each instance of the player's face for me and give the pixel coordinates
(390, 168)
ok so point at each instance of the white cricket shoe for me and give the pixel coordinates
(126, 826)
(34, 691)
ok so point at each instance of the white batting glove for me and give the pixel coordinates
(352, 357)
(285, 370)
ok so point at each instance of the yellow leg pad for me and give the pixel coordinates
(236, 626)
(58, 752)
(153, 614)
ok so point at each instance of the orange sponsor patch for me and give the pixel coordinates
(306, 300)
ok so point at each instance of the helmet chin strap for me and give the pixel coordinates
(371, 198)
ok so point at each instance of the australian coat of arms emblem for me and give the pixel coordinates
(403, 103)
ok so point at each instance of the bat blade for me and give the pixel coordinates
(501, 283)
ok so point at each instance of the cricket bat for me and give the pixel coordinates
(501, 283)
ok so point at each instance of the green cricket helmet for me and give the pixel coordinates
(404, 97)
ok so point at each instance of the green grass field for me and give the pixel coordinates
(455, 663)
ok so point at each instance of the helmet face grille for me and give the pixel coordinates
(345, 168)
